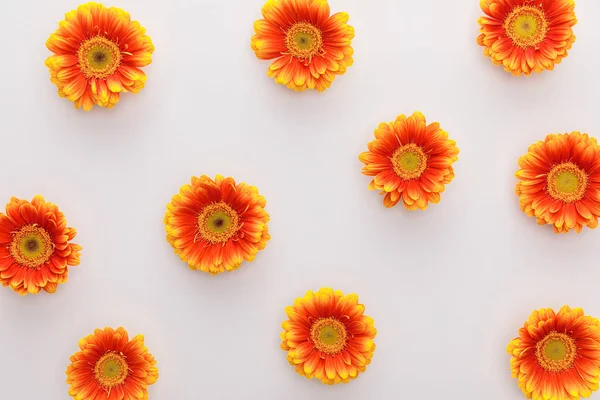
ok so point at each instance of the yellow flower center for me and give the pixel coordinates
(566, 182)
(111, 370)
(556, 352)
(99, 57)
(526, 26)
(409, 161)
(218, 222)
(31, 246)
(304, 41)
(329, 335)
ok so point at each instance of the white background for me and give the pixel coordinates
(448, 287)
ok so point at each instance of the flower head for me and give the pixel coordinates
(35, 248)
(214, 225)
(556, 356)
(97, 55)
(527, 35)
(110, 366)
(309, 46)
(327, 336)
(411, 161)
(559, 182)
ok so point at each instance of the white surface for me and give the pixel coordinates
(448, 288)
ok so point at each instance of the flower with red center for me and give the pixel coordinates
(559, 182)
(411, 161)
(328, 337)
(111, 367)
(557, 355)
(527, 35)
(34, 246)
(214, 225)
(309, 46)
(98, 53)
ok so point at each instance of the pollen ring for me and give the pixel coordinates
(218, 222)
(304, 41)
(567, 182)
(329, 335)
(556, 352)
(31, 246)
(111, 370)
(409, 161)
(99, 57)
(526, 26)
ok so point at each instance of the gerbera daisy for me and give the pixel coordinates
(309, 46)
(327, 336)
(34, 246)
(111, 367)
(214, 225)
(559, 182)
(557, 356)
(98, 52)
(527, 35)
(411, 161)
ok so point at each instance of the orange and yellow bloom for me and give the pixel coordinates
(527, 35)
(411, 161)
(214, 225)
(111, 367)
(557, 355)
(98, 53)
(328, 337)
(559, 182)
(35, 248)
(309, 46)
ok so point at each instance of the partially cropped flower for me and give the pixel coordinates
(214, 225)
(328, 337)
(35, 248)
(411, 161)
(109, 366)
(309, 46)
(557, 355)
(98, 53)
(527, 35)
(559, 182)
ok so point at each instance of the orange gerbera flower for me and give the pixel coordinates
(527, 35)
(557, 356)
(34, 246)
(327, 336)
(559, 182)
(309, 47)
(111, 367)
(411, 161)
(215, 225)
(98, 52)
